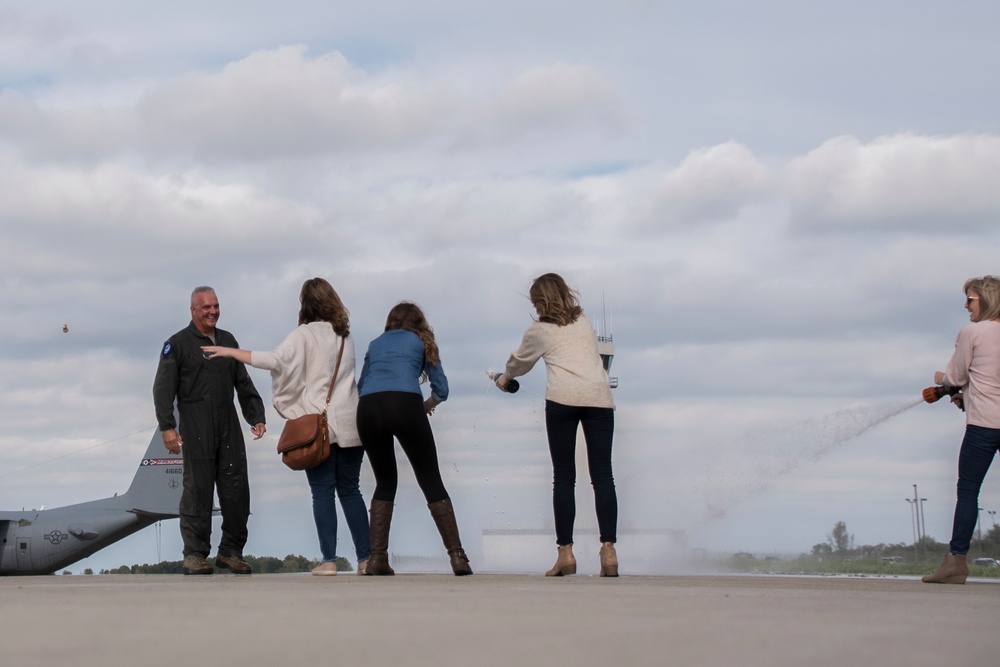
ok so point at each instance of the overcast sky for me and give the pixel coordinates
(772, 206)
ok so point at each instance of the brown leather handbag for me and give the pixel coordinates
(305, 441)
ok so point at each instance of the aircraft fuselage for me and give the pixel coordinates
(42, 542)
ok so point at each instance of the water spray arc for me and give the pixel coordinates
(769, 454)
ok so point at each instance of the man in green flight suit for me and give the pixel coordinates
(210, 435)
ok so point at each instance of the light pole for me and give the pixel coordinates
(913, 517)
(923, 524)
(993, 516)
(917, 504)
(979, 525)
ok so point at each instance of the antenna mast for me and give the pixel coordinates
(605, 343)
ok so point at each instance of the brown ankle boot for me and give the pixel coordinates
(379, 521)
(609, 560)
(565, 563)
(953, 570)
(444, 517)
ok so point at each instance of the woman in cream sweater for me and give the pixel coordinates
(301, 370)
(577, 393)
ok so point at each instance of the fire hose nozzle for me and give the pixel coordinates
(937, 392)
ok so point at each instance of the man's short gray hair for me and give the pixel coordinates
(201, 290)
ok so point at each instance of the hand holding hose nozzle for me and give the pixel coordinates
(510, 387)
(936, 393)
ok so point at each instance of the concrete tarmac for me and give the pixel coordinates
(495, 619)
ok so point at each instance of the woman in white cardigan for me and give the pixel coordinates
(301, 370)
(577, 394)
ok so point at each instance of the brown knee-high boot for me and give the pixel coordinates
(380, 517)
(953, 570)
(444, 517)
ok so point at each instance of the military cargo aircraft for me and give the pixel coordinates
(44, 541)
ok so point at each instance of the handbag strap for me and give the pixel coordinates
(336, 370)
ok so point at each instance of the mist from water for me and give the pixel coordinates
(691, 491)
(763, 456)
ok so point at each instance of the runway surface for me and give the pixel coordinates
(494, 619)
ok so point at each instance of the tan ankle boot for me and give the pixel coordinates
(609, 560)
(953, 570)
(565, 563)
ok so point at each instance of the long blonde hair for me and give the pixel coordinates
(554, 300)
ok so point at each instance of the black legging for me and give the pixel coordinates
(400, 414)
(562, 423)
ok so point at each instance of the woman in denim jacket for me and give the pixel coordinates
(392, 406)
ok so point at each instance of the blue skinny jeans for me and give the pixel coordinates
(339, 476)
(561, 424)
(979, 447)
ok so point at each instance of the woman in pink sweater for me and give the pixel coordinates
(577, 393)
(975, 367)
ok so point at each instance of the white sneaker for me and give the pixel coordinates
(327, 569)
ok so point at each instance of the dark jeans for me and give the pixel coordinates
(339, 475)
(399, 414)
(979, 447)
(561, 424)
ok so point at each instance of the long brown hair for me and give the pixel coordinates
(554, 300)
(408, 316)
(321, 303)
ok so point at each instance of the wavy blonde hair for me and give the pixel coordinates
(554, 300)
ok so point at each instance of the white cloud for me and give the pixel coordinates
(550, 94)
(902, 182)
(278, 103)
(88, 219)
(711, 185)
(81, 133)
